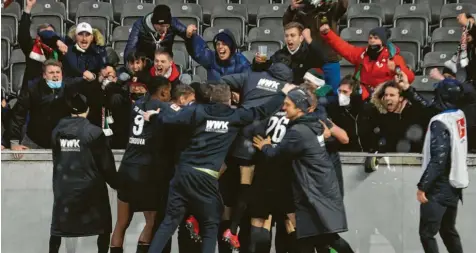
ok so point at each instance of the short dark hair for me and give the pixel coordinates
(161, 51)
(291, 25)
(136, 56)
(220, 93)
(182, 89)
(157, 82)
(52, 62)
(310, 89)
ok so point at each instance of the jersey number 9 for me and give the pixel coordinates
(138, 125)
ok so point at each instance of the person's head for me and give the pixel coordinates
(310, 88)
(136, 61)
(201, 90)
(224, 45)
(84, 35)
(159, 87)
(391, 96)
(78, 105)
(161, 18)
(293, 35)
(183, 95)
(313, 76)
(137, 90)
(45, 27)
(52, 70)
(449, 94)
(346, 88)
(108, 75)
(220, 93)
(162, 62)
(378, 38)
(297, 103)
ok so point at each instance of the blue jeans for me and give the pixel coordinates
(332, 75)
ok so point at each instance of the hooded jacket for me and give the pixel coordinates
(82, 164)
(401, 131)
(144, 38)
(173, 76)
(372, 73)
(45, 107)
(333, 13)
(216, 68)
(305, 58)
(319, 203)
(33, 68)
(76, 62)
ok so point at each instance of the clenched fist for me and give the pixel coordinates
(191, 29)
(324, 29)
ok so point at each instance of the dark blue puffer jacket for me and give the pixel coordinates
(143, 37)
(198, 49)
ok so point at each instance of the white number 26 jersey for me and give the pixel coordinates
(276, 127)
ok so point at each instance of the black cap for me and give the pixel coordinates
(161, 15)
(78, 104)
(300, 98)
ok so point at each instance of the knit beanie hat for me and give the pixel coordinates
(300, 98)
(161, 15)
(78, 104)
(315, 76)
(382, 33)
(225, 38)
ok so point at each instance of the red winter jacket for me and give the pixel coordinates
(372, 73)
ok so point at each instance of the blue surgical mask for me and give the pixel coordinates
(54, 84)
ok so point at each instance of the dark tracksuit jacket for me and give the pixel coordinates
(255, 88)
(82, 165)
(195, 183)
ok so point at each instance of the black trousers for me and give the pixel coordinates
(435, 218)
(198, 192)
(320, 242)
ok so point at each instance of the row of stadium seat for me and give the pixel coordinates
(101, 15)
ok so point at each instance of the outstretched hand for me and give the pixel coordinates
(148, 114)
(259, 142)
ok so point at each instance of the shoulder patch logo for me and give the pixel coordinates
(175, 107)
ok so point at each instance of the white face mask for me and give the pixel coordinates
(344, 100)
(105, 82)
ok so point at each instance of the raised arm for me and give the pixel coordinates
(199, 51)
(346, 50)
(133, 39)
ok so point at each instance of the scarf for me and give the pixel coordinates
(461, 55)
(38, 51)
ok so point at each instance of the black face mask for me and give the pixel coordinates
(136, 96)
(373, 51)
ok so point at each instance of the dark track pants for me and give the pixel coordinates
(435, 218)
(198, 192)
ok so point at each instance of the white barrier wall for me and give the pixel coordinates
(382, 209)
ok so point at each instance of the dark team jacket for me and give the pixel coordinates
(215, 127)
(435, 179)
(45, 106)
(82, 165)
(319, 204)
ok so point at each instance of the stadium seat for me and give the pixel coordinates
(445, 39)
(120, 36)
(356, 36)
(435, 60)
(210, 33)
(17, 69)
(53, 13)
(450, 11)
(5, 83)
(132, 11)
(180, 60)
(424, 86)
(435, 7)
(365, 15)
(98, 14)
(346, 68)
(410, 59)
(207, 7)
(253, 7)
(389, 9)
(263, 36)
(72, 7)
(232, 16)
(270, 14)
(10, 18)
(250, 55)
(6, 50)
(199, 71)
(416, 16)
(188, 14)
(120, 53)
(7, 32)
(118, 7)
(179, 45)
(408, 39)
